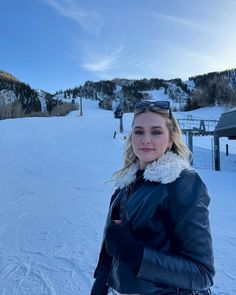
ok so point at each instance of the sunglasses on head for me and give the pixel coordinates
(159, 105)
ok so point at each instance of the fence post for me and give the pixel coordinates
(227, 149)
(121, 125)
(217, 153)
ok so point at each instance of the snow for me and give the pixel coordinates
(41, 97)
(158, 94)
(55, 190)
(190, 84)
(7, 97)
(207, 113)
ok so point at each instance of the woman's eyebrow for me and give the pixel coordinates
(152, 127)
(156, 127)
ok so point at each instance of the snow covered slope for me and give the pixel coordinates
(55, 192)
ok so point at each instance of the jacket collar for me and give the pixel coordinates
(166, 169)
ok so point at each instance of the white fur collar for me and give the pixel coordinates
(164, 170)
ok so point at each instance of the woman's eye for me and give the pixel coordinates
(138, 132)
(156, 132)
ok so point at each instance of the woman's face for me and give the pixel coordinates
(150, 137)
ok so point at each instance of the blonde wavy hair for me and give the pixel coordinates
(178, 145)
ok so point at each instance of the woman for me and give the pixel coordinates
(157, 237)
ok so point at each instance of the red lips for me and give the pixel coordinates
(146, 150)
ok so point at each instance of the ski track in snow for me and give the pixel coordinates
(36, 273)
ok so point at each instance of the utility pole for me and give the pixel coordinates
(81, 107)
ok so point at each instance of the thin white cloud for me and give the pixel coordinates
(177, 62)
(120, 63)
(183, 22)
(209, 60)
(102, 62)
(90, 21)
(184, 62)
(168, 62)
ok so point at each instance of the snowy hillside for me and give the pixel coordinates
(7, 96)
(55, 192)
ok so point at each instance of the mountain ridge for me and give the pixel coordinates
(214, 88)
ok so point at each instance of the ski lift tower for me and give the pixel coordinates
(198, 127)
(118, 114)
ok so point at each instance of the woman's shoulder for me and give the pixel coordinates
(187, 194)
(190, 177)
(189, 188)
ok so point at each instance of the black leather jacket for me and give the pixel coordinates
(172, 221)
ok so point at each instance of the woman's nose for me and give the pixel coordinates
(146, 139)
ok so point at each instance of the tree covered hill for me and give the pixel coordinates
(215, 88)
(199, 91)
(16, 96)
(7, 77)
(19, 99)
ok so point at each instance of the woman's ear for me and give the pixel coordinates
(169, 147)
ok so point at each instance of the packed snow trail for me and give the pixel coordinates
(54, 195)
(53, 202)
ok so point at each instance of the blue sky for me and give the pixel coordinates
(59, 44)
